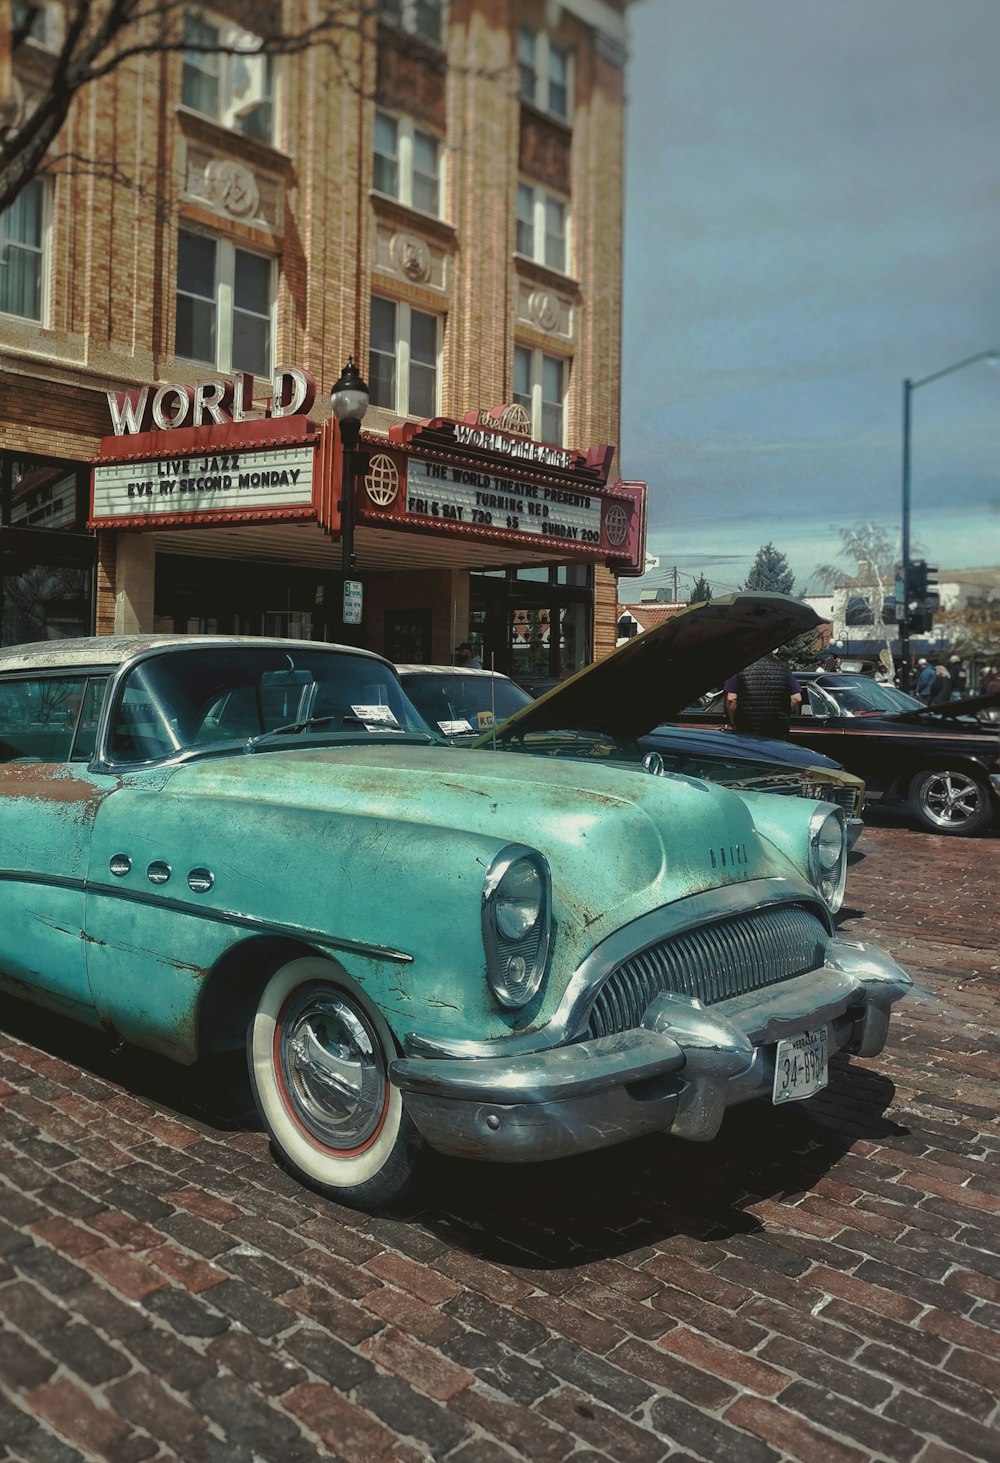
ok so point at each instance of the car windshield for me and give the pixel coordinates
(861, 694)
(186, 699)
(461, 705)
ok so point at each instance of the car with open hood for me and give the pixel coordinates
(210, 842)
(939, 763)
(617, 712)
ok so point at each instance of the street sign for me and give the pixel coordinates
(353, 601)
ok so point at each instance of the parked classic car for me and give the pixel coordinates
(458, 701)
(942, 763)
(748, 764)
(211, 841)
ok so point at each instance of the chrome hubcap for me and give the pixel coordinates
(332, 1067)
(950, 799)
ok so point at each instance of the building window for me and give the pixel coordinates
(545, 73)
(37, 22)
(403, 359)
(22, 253)
(407, 163)
(542, 227)
(540, 387)
(225, 305)
(424, 18)
(237, 88)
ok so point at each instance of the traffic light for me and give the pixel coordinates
(922, 597)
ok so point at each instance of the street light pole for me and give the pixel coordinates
(349, 399)
(909, 387)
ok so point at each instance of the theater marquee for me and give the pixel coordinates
(209, 454)
(470, 479)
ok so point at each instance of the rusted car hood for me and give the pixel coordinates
(622, 842)
(653, 677)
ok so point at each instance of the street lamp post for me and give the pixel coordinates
(349, 399)
(909, 387)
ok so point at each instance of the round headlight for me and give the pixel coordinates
(828, 855)
(519, 900)
(516, 923)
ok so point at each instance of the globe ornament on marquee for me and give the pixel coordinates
(615, 525)
(382, 480)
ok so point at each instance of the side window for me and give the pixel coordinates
(86, 726)
(817, 706)
(49, 720)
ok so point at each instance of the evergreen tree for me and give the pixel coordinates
(770, 571)
(702, 590)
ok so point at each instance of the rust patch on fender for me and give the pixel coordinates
(16, 780)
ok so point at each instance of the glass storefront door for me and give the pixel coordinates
(533, 624)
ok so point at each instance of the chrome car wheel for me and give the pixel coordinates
(950, 802)
(332, 1067)
(319, 1056)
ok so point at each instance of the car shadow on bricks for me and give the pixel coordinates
(556, 1214)
(615, 1200)
(215, 1091)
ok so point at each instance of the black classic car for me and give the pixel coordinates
(942, 763)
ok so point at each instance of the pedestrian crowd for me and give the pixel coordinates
(939, 681)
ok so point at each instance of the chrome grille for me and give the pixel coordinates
(843, 797)
(729, 958)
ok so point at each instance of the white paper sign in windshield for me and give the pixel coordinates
(377, 718)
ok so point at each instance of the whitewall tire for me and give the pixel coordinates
(319, 1053)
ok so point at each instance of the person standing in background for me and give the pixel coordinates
(466, 656)
(940, 691)
(760, 699)
(959, 678)
(925, 680)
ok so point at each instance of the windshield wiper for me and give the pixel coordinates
(252, 743)
(289, 729)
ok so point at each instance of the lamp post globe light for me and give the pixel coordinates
(993, 354)
(349, 399)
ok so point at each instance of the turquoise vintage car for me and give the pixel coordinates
(214, 841)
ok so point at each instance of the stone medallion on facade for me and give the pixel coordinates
(232, 188)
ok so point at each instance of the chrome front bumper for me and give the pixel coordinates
(678, 1071)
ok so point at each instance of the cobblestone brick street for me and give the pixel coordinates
(821, 1283)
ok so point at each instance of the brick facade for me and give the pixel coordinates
(308, 203)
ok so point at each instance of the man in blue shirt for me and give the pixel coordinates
(925, 680)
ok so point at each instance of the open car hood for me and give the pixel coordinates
(653, 677)
(971, 706)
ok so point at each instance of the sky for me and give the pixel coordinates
(812, 215)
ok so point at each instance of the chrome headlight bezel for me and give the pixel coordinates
(515, 964)
(828, 854)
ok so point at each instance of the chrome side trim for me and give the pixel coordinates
(218, 916)
(257, 926)
(569, 1018)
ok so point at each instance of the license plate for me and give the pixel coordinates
(800, 1066)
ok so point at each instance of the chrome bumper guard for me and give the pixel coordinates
(678, 1071)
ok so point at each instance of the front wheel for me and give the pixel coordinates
(950, 802)
(319, 1054)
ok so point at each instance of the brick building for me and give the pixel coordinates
(435, 191)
